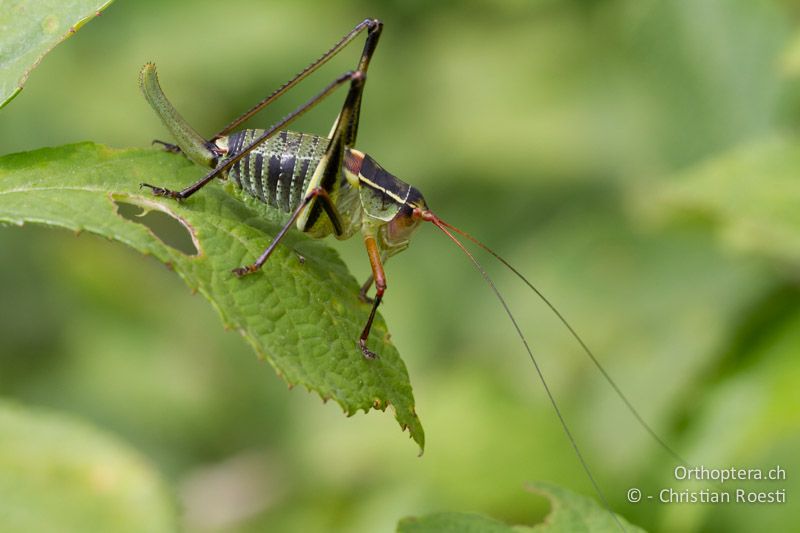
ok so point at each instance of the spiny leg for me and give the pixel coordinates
(330, 210)
(343, 135)
(380, 287)
(325, 178)
(202, 182)
(373, 27)
(330, 167)
(328, 175)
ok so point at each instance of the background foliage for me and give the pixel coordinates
(636, 158)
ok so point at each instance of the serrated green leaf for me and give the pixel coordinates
(61, 475)
(303, 317)
(569, 513)
(750, 416)
(453, 523)
(31, 28)
(751, 195)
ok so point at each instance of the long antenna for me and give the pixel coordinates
(578, 338)
(427, 215)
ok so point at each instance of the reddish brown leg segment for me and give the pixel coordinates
(380, 287)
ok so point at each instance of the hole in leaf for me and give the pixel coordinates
(166, 228)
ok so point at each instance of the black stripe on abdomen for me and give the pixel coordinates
(236, 140)
(273, 173)
(288, 162)
(258, 175)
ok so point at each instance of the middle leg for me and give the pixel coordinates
(329, 209)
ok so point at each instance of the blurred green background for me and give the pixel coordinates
(547, 129)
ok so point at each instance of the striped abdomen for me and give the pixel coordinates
(276, 172)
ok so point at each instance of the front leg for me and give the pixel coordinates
(380, 287)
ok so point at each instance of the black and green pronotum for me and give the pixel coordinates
(324, 185)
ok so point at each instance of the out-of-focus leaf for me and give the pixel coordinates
(569, 513)
(303, 317)
(62, 475)
(790, 62)
(453, 523)
(31, 28)
(751, 195)
(749, 418)
(572, 512)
